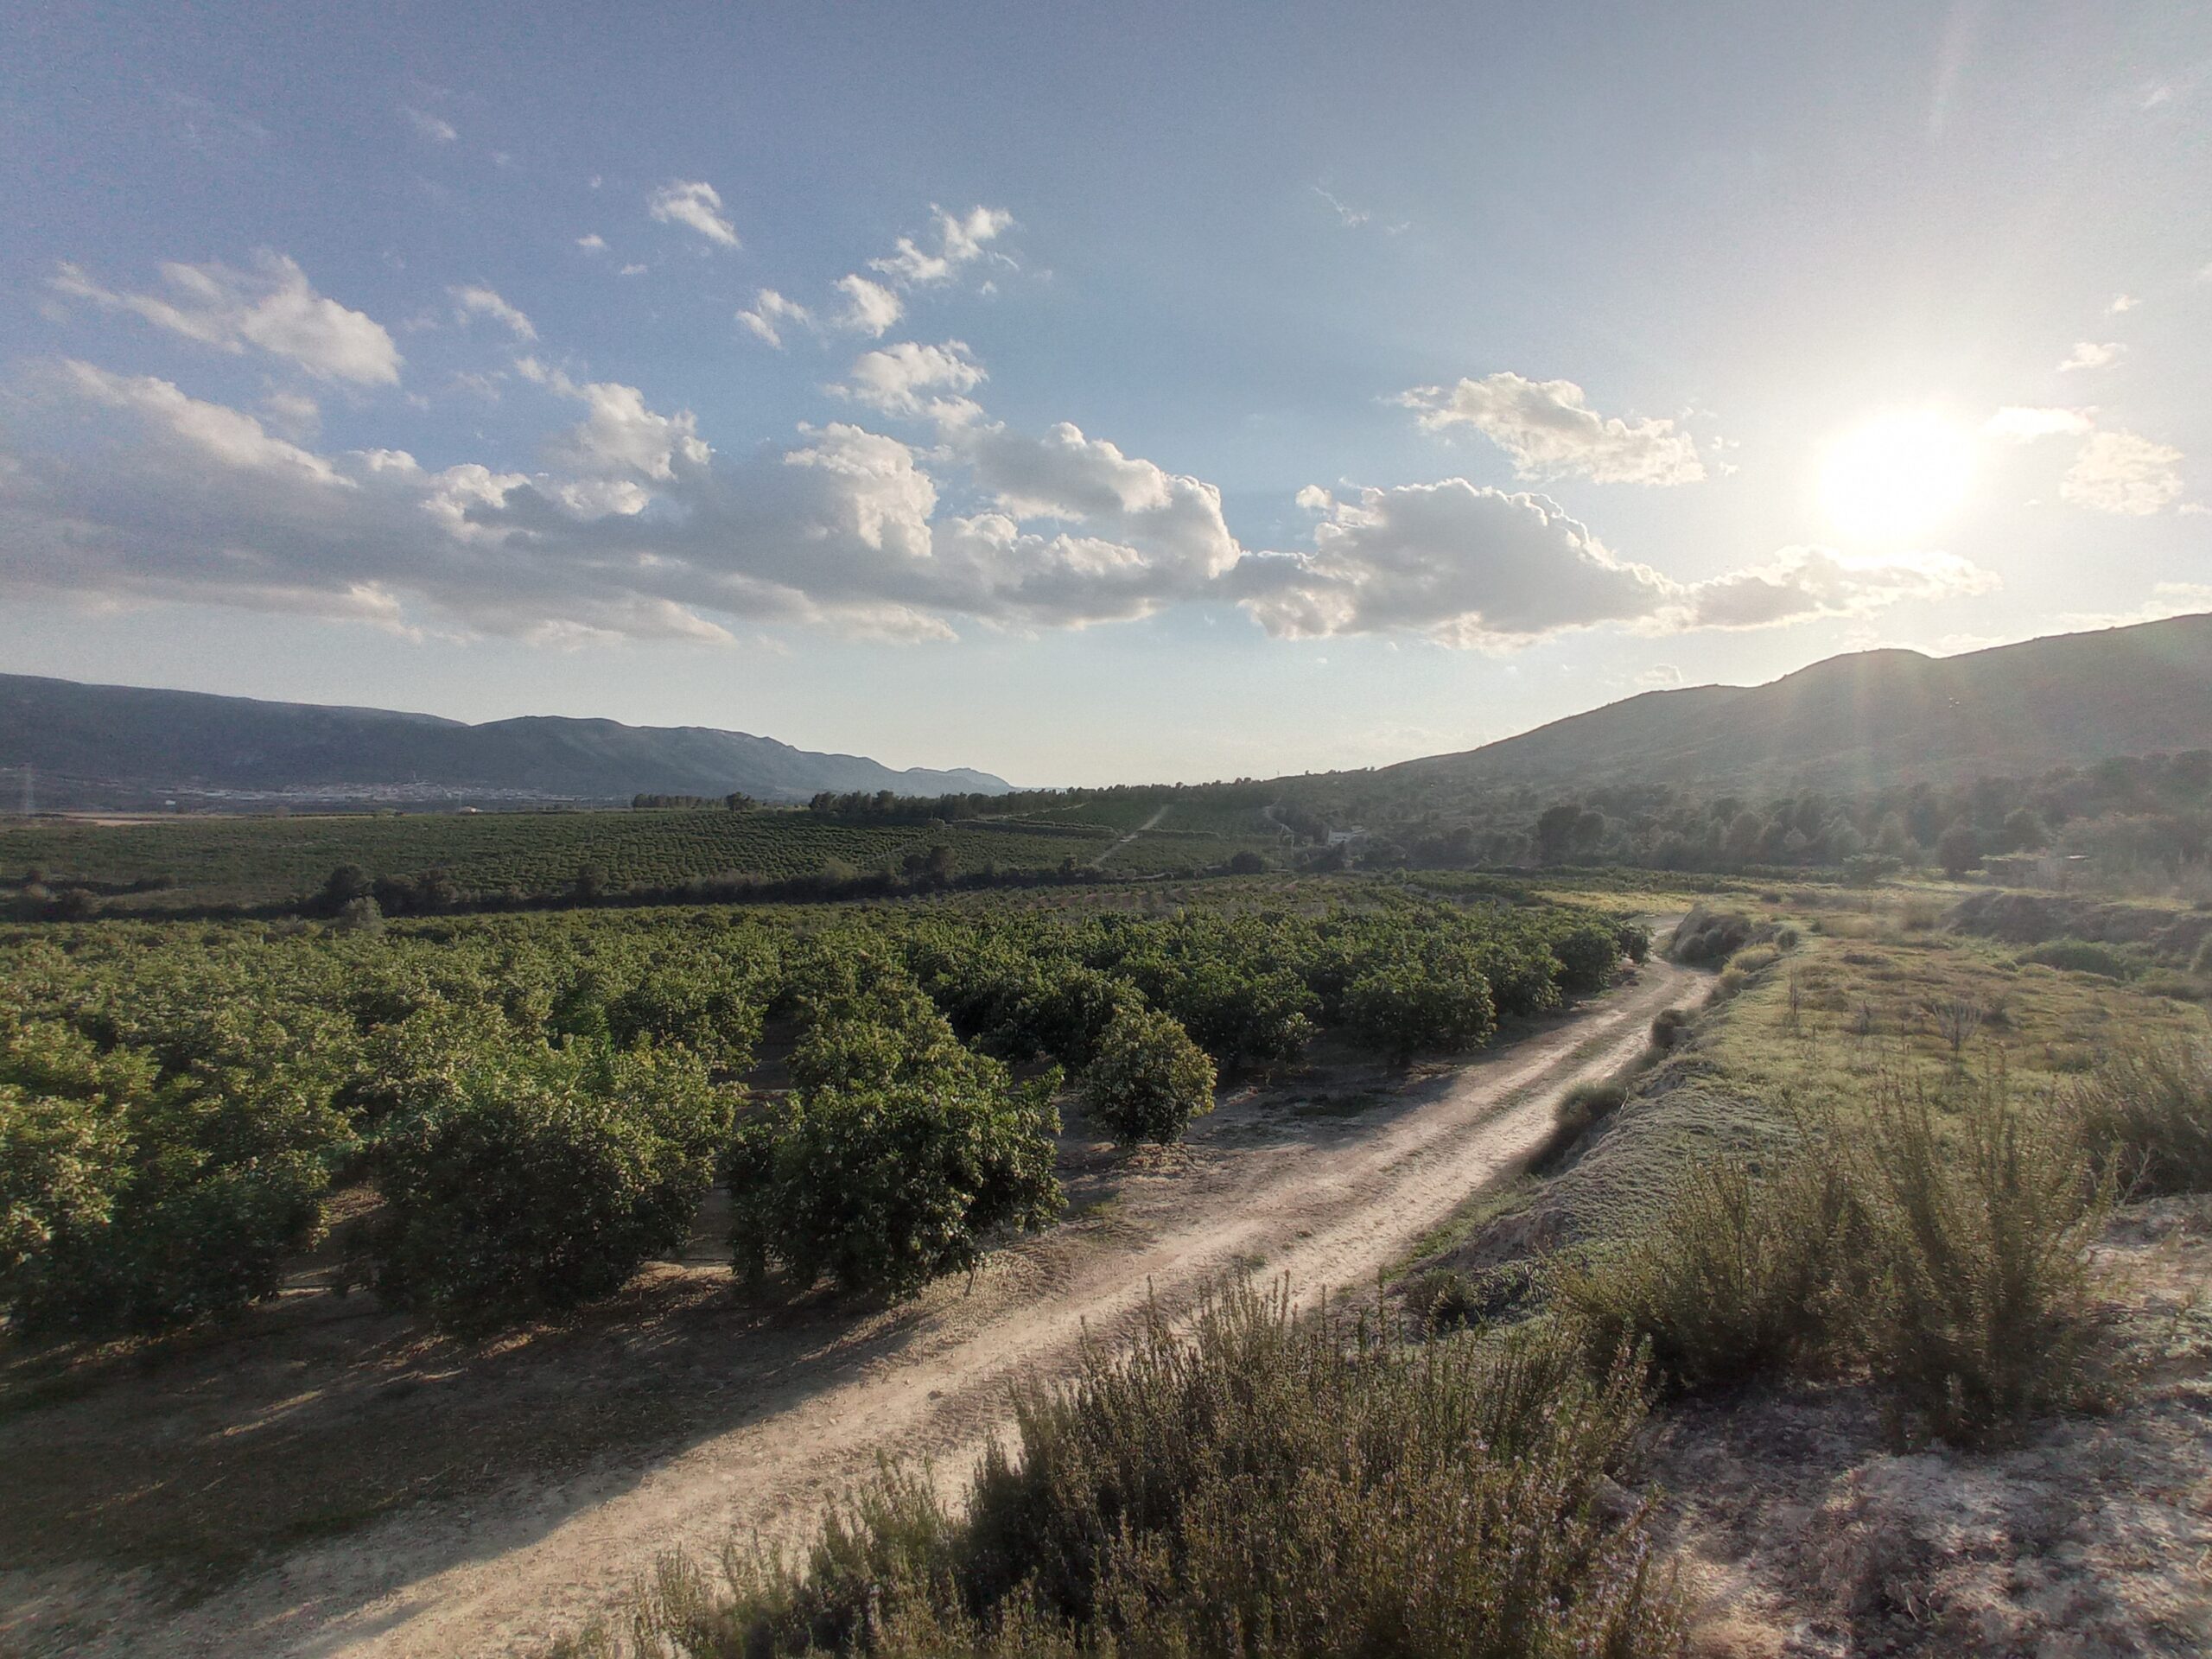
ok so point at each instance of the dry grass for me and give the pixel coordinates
(2150, 1104)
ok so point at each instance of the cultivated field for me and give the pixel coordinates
(196, 862)
(417, 1287)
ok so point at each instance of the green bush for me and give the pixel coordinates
(1241, 1014)
(1439, 1002)
(883, 1188)
(140, 1195)
(2147, 1112)
(543, 1177)
(1634, 941)
(2084, 956)
(1269, 1484)
(63, 1165)
(1149, 1079)
(714, 1011)
(1066, 1013)
(1589, 951)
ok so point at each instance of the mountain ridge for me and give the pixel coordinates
(1868, 719)
(117, 745)
(1859, 720)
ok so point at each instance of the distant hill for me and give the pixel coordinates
(1880, 717)
(122, 746)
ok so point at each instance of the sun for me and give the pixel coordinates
(1896, 478)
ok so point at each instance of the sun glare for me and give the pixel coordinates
(1895, 478)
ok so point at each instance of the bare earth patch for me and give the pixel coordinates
(1804, 1529)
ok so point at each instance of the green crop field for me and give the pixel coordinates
(191, 862)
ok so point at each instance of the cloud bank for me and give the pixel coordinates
(1469, 565)
(633, 526)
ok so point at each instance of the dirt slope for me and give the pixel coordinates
(1329, 1198)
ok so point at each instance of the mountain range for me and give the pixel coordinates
(1861, 720)
(1875, 718)
(124, 745)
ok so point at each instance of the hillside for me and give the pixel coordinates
(122, 746)
(1880, 717)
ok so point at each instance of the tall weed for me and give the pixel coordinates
(1945, 1248)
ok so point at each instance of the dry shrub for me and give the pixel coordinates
(1947, 1251)
(1739, 1278)
(1580, 1109)
(1707, 938)
(1744, 967)
(2147, 1112)
(1982, 1309)
(1270, 1483)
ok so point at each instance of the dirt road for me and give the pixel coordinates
(1152, 822)
(1327, 1191)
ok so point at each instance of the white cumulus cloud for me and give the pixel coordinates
(870, 307)
(619, 435)
(2122, 472)
(1801, 583)
(1550, 431)
(961, 240)
(894, 378)
(2091, 354)
(1468, 566)
(478, 301)
(696, 204)
(293, 414)
(772, 314)
(221, 434)
(272, 309)
(2026, 425)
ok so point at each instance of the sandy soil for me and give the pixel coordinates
(756, 1416)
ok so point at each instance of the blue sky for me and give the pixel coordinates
(1094, 393)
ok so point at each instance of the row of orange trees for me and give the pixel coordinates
(539, 1103)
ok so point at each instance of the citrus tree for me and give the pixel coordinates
(1149, 1079)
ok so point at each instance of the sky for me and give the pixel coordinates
(1091, 394)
